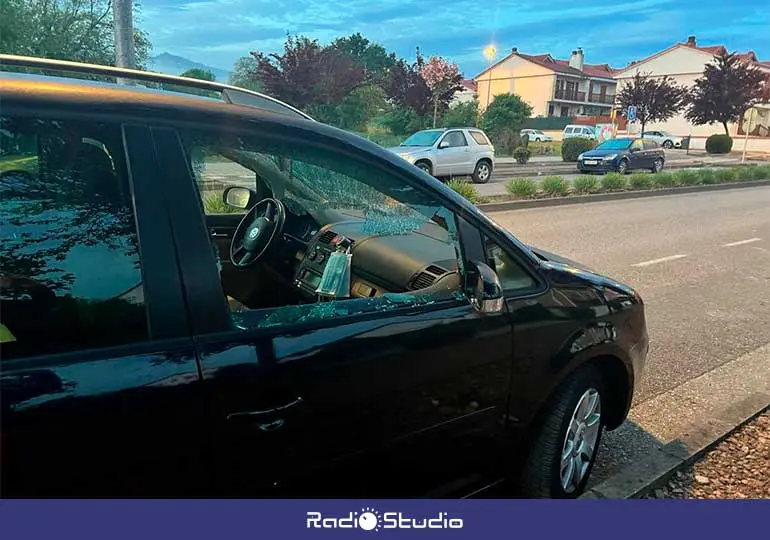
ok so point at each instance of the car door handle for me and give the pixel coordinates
(264, 413)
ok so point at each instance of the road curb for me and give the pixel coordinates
(660, 465)
(520, 204)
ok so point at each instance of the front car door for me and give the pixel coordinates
(453, 154)
(99, 378)
(397, 389)
(636, 155)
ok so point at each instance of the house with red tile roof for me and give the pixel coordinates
(551, 86)
(685, 62)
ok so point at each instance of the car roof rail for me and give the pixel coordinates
(230, 94)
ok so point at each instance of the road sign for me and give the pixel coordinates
(631, 113)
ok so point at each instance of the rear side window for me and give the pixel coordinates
(479, 138)
(568, 130)
(70, 275)
(649, 145)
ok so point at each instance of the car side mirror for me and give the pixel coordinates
(486, 291)
(443, 144)
(237, 197)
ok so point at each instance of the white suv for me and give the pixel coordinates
(444, 153)
(585, 132)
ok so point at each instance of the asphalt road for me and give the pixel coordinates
(702, 265)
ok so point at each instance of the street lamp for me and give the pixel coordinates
(489, 53)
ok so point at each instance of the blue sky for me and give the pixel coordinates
(217, 32)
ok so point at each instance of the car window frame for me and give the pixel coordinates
(451, 132)
(167, 322)
(209, 314)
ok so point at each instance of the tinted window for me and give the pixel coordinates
(649, 145)
(568, 130)
(479, 138)
(70, 276)
(455, 138)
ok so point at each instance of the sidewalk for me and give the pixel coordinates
(739, 468)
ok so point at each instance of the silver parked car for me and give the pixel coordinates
(450, 152)
(663, 138)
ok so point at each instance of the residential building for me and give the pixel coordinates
(551, 86)
(685, 62)
(466, 94)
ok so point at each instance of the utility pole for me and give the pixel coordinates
(123, 25)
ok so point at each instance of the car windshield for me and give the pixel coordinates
(615, 144)
(423, 138)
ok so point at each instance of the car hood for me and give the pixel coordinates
(409, 149)
(565, 266)
(601, 153)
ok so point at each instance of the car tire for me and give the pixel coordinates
(482, 172)
(657, 166)
(622, 167)
(574, 413)
(424, 166)
(668, 145)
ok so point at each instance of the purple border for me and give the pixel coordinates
(287, 519)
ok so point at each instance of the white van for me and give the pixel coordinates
(585, 132)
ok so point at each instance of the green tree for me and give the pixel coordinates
(462, 115)
(76, 30)
(374, 58)
(727, 88)
(244, 74)
(504, 118)
(198, 73)
(360, 107)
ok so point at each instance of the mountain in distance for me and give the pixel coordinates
(172, 64)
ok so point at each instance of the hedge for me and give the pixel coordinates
(719, 144)
(572, 147)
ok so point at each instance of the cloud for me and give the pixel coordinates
(217, 32)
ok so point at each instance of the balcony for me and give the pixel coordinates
(607, 99)
(569, 95)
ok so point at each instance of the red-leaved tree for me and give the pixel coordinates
(443, 80)
(307, 74)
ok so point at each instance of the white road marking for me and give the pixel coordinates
(741, 242)
(662, 259)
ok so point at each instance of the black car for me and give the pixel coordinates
(623, 155)
(207, 298)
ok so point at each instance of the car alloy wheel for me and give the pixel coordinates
(424, 167)
(482, 173)
(657, 166)
(580, 441)
(668, 144)
(623, 166)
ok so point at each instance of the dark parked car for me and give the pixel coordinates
(205, 298)
(623, 155)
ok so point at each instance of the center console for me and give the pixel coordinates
(312, 266)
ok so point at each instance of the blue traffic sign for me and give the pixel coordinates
(631, 113)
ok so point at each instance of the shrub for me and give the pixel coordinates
(687, 178)
(613, 181)
(745, 173)
(555, 185)
(585, 184)
(572, 147)
(761, 172)
(664, 180)
(641, 180)
(707, 176)
(522, 154)
(465, 189)
(545, 148)
(522, 187)
(213, 204)
(719, 144)
(726, 174)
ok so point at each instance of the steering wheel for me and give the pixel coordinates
(256, 232)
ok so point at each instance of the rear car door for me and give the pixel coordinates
(388, 392)
(99, 379)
